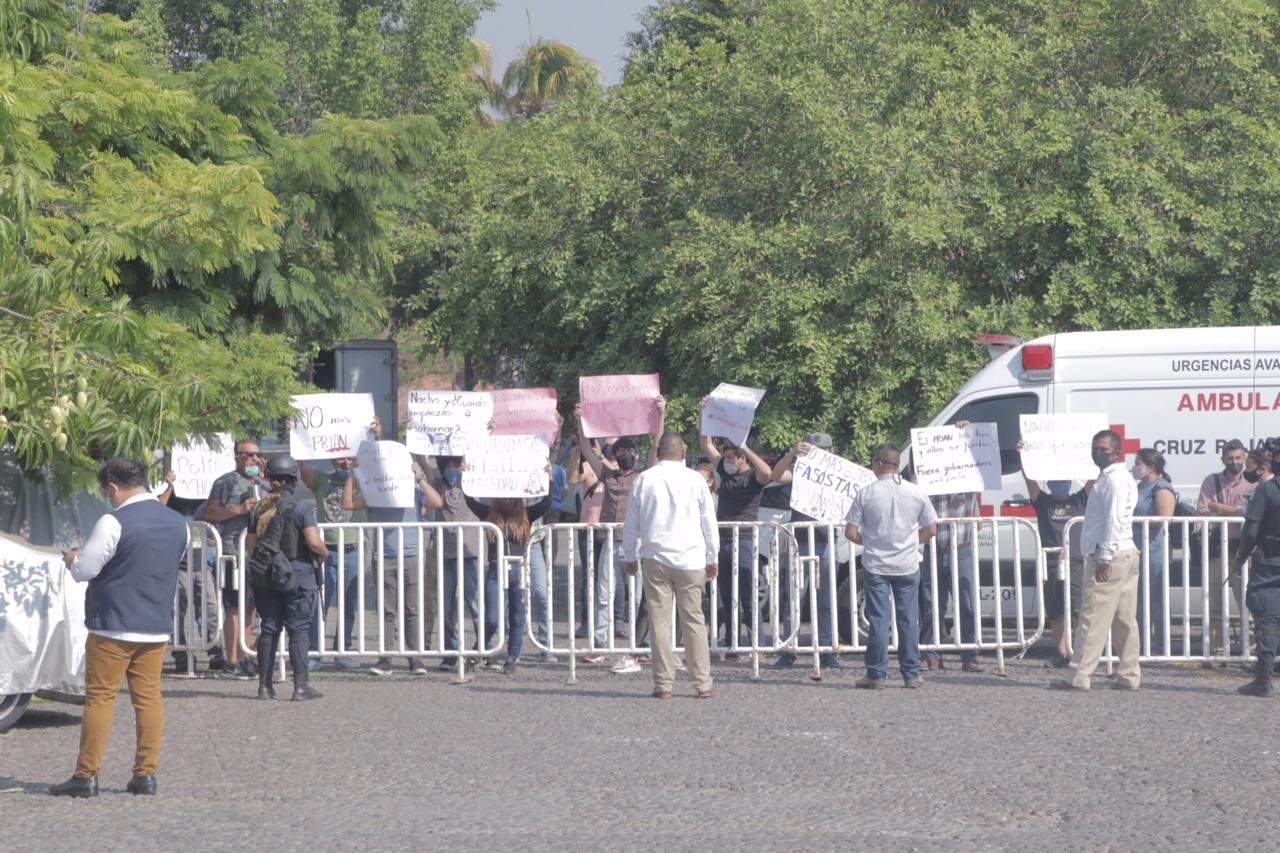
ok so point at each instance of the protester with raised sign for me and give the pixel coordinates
(231, 499)
(398, 545)
(617, 476)
(891, 518)
(743, 476)
(515, 520)
(465, 548)
(817, 546)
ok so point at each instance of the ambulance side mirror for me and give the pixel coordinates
(1016, 502)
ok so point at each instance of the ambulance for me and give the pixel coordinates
(1183, 392)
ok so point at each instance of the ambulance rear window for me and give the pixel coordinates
(1003, 412)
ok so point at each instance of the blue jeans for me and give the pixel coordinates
(471, 595)
(515, 611)
(538, 579)
(747, 570)
(608, 566)
(906, 602)
(968, 623)
(826, 587)
(1155, 575)
(350, 581)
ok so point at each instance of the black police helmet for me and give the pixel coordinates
(282, 467)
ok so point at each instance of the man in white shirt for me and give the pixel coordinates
(1111, 570)
(890, 519)
(670, 528)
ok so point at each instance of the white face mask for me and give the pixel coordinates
(731, 468)
(1140, 472)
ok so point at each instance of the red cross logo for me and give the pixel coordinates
(1127, 445)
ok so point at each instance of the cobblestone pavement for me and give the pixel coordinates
(524, 760)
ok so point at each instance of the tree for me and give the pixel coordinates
(829, 199)
(544, 72)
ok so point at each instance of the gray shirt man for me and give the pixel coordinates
(890, 514)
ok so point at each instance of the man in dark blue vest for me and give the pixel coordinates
(131, 564)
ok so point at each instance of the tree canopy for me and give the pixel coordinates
(830, 198)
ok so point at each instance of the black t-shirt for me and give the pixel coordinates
(739, 494)
(1053, 514)
(1264, 508)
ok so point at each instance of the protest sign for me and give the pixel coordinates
(507, 466)
(619, 405)
(329, 426)
(949, 460)
(824, 485)
(525, 411)
(195, 466)
(730, 410)
(1059, 447)
(384, 470)
(447, 423)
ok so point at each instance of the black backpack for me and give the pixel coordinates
(271, 564)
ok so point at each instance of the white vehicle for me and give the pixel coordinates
(1182, 392)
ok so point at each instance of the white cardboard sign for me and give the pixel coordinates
(329, 426)
(949, 460)
(195, 466)
(384, 470)
(507, 466)
(824, 485)
(447, 423)
(1059, 447)
(730, 411)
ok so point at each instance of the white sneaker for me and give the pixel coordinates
(626, 665)
(679, 663)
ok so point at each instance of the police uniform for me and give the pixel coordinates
(292, 610)
(1263, 596)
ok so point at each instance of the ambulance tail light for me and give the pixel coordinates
(1037, 361)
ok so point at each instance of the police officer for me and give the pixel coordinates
(300, 541)
(1262, 531)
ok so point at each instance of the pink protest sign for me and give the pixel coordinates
(619, 405)
(525, 411)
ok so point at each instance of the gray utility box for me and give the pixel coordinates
(363, 367)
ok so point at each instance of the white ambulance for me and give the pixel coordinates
(1183, 392)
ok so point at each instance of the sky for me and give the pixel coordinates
(595, 28)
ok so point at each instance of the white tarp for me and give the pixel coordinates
(42, 631)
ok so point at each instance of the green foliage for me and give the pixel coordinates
(830, 198)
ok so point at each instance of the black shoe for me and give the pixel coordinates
(828, 661)
(447, 664)
(217, 662)
(237, 671)
(785, 660)
(180, 662)
(266, 691)
(302, 692)
(142, 785)
(248, 667)
(74, 787)
(1256, 688)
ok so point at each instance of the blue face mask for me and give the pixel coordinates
(452, 476)
(1060, 489)
(341, 475)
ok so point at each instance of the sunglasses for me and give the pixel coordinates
(254, 455)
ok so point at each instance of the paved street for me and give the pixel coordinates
(526, 761)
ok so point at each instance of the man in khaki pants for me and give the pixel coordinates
(1111, 572)
(131, 564)
(670, 529)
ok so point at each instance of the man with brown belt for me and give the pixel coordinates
(131, 564)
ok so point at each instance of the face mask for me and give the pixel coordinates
(1139, 472)
(731, 468)
(626, 461)
(452, 476)
(1060, 489)
(252, 470)
(1234, 468)
(341, 475)
(1101, 457)
(1253, 476)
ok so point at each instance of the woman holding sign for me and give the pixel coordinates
(515, 520)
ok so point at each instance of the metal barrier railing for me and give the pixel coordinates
(1218, 594)
(197, 603)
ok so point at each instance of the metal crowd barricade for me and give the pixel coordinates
(403, 587)
(197, 602)
(1175, 620)
(979, 542)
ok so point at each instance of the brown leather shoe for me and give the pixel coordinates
(1063, 684)
(971, 666)
(705, 694)
(662, 694)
